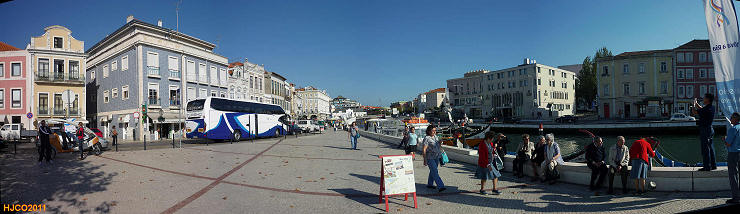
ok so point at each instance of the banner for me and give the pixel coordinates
(723, 39)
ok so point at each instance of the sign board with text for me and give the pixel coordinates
(397, 177)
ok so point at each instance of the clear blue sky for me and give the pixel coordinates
(381, 51)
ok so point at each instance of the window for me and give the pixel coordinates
(75, 105)
(251, 82)
(702, 56)
(174, 67)
(43, 103)
(92, 75)
(214, 75)
(190, 70)
(58, 69)
(58, 104)
(214, 93)
(681, 73)
(641, 88)
(74, 70)
(702, 90)
(223, 76)
(2, 98)
(223, 94)
(114, 93)
(641, 68)
(681, 91)
(202, 73)
(203, 93)
(689, 73)
(702, 73)
(105, 71)
(114, 65)
(664, 87)
(174, 95)
(605, 71)
(105, 96)
(689, 57)
(124, 63)
(152, 63)
(191, 93)
(2, 69)
(606, 90)
(15, 69)
(539, 81)
(690, 91)
(711, 90)
(663, 67)
(711, 72)
(58, 42)
(153, 94)
(680, 57)
(626, 68)
(709, 57)
(626, 87)
(124, 92)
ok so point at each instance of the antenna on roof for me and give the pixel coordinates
(177, 15)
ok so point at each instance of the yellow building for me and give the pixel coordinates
(635, 85)
(58, 64)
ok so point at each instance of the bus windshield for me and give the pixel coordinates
(196, 105)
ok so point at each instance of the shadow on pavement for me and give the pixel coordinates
(67, 180)
(337, 147)
(361, 197)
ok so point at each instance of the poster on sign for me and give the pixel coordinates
(398, 175)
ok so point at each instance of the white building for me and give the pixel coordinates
(527, 91)
(245, 81)
(277, 90)
(316, 103)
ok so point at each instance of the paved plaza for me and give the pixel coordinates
(308, 174)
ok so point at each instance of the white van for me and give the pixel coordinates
(10, 132)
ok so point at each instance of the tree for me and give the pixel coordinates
(586, 88)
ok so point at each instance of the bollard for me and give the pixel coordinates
(15, 147)
(144, 142)
(173, 140)
(116, 145)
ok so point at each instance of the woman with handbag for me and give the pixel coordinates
(354, 134)
(487, 163)
(432, 154)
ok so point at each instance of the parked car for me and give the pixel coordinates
(682, 117)
(567, 119)
(308, 126)
(10, 132)
(97, 132)
(293, 129)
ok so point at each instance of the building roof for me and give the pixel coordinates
(234, 64)
(438, 90)
(696, 44)
(209, 46)
(635, 54)
(6, 47)
(573, 68)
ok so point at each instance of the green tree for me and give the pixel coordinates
(586, 88)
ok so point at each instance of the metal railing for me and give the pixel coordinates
(59, 111)
(152, 70)
(153, 101)
(175, 74)
(175, 102)
(44, 111)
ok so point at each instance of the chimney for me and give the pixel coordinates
(129, 18)
(159, 23)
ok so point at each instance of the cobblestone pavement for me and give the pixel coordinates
(309, 174)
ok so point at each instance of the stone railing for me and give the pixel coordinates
(685, 179)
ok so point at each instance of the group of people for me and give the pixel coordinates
(545, 157)
(44, 137)
(616, 163)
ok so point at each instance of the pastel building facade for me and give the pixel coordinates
(693, 74)
(57, 62)
(142, 64)
(15, 86)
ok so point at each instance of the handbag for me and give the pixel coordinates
(499, 163)
(444, 158)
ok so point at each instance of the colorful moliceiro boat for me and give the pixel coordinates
(474, 134)
(419, 123)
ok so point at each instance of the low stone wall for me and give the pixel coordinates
(685, 179)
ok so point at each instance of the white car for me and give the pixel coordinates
(10, 132)
(681, 117)
(308, 126)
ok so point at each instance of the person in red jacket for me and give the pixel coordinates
(487, 163)
(640, 153)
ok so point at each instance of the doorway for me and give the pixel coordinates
(626, 110)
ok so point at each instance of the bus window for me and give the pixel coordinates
(196, 105)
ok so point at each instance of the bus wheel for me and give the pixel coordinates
(277, 132)
(236, 136)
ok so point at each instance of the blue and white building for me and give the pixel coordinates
(142, 63)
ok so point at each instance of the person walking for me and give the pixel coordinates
(432, 153)
(405, 139)
(523, 154)
(353, 134)
(413, 138)
(45, 145)
(553, 158)
(486, 163)
(80, 139)
(706, 132)
(732, 141)
(595, 155)
(619, 157)
(538, 156)
(640, 153)
(115, 135)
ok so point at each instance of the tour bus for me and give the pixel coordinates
(226, 119)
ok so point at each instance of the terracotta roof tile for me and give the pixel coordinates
(7, 47)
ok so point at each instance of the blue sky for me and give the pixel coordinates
(382, 51)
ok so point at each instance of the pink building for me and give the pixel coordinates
(694, 74)
(15, 85)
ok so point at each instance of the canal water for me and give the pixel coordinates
(682, 148)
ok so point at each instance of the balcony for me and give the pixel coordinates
(175, 74)
(59, 111)
(59, 78)
(74, 112)
(153, 101)
(43, 77)
(152, 71)
(175, 102)
(44, 111)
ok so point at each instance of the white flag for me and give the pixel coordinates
(723, 38)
